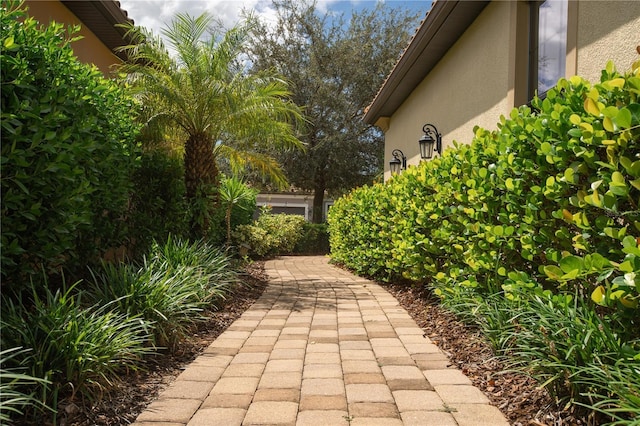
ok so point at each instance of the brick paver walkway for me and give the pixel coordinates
(321, 347)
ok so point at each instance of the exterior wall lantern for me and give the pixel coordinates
(430, 138)
(398, 163)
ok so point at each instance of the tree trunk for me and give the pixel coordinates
(201, 180)
(199, 164)
(318, 204)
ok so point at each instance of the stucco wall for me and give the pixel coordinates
(469, 86)
(607, 30)
(90, 49)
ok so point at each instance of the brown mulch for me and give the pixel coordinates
(517, 396)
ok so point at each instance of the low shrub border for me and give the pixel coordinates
(542, 211)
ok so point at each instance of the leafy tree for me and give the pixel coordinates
(200, 86)
(336, 67)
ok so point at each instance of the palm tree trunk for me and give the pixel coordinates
(199, 164)
(201, 180)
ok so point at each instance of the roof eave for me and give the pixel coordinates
(442, 27)
(95, 13)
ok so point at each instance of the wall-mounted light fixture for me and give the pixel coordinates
(398, 163)
(430, 138)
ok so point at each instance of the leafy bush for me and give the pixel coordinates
(538, 212)
(67, 151)
(158, 206)
(270, 235)
(548, 201)
(79, 351)
(314, 239)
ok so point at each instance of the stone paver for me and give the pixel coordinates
(321, 347)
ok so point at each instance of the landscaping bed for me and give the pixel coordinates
(139, 389)
(519, 397)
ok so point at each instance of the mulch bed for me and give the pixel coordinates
(517, 395)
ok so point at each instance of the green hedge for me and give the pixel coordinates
(67, 152)
(530, 232)
(158, 205)
(314, 239)
(549, 201)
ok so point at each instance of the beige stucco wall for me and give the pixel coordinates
(607, 30)
(89, 49)
(483, 75)
(469, 86)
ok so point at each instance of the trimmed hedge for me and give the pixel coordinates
(269, 235)
(314, 239)
(531, 232)
(546, 203)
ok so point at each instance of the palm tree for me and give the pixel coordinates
(200, 85)
(233, 193)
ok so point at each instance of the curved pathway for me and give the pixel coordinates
(321, 347)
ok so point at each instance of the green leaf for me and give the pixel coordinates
(553, 272)
(598, 295)
(607, 123)
(610, 112)
(8, 42)
(569, 264)
(623, 119)
(617, 177)
(509, 184)
(591, 107)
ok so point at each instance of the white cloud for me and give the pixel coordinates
(154, 14)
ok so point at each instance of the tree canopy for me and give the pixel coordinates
(335, 66)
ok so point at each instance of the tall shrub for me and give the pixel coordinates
(67, 150)
(270, 235)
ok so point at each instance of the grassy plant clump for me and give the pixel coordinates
(170, 290)
(212, 264)
(531, 231)
(73, 351)
(17, 388)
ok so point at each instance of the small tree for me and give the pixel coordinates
(202, 89)
(235, 194)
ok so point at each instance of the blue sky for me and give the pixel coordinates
(153, 14)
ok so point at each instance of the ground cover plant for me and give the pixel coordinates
(531, 231)
(76, 343)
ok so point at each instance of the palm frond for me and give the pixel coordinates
(262, 163)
